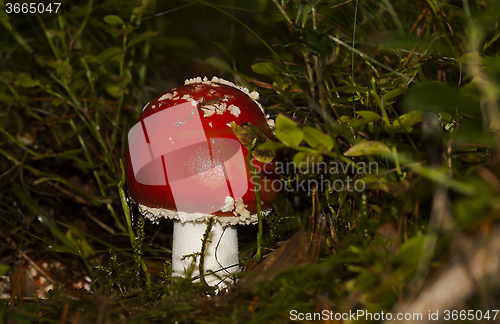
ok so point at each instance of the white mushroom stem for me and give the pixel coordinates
(221, 251)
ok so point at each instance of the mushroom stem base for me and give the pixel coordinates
(221, 254)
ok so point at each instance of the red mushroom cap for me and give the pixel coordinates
(184, 160)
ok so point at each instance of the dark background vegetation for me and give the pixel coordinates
(410, 85)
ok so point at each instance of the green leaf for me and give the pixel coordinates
(405, 121)
(109, 53)
(113, 20)
(7, 77)
(288, 132)
(219, 64)
(305, 14)
(392, 94)
(142, 37)
(270, 146)
(246, 133)
(90, 58)
(368, 148)
(64, 70)
(442, 177)
(265, 68)
(474, 158)
(125, 78)
(471, 89)
(435, 96)
(303, 159)
(56, 102)
(475, 206)
(411, 250)
(368, 116)
(113, 90)
(351, 89)
(474, 58)
(317, 139)
(4, 269)
(146, 6)
(365, 117)
(25, 80)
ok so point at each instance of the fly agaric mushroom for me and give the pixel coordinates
(186, 161)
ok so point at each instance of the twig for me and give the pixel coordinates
(104, 226)
(34, 265)
(206, 239)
